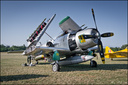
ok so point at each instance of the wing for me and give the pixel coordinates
(67, 24)
(36, 36)
(109, 55)
(46, 50)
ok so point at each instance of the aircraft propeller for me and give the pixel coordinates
(100, 45)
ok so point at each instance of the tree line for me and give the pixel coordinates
(4, 48)
(119, 48)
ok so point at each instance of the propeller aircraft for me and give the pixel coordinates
(117, 54)
(73, 44)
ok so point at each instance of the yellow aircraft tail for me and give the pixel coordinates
(108, 50)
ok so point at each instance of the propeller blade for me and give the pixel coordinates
(94, 18)
(109, 34)
(100, 46)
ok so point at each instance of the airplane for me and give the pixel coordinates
(71, 47)
(118, 54)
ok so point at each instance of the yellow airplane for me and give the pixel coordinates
(118, 54)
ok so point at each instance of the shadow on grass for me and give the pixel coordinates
(120, 60)
(20, 77)
(83, 67)
(44, 63)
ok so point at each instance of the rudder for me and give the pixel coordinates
(108, 50)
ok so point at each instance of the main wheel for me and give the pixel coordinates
(56, 67)
(29, 60)
(93, 64)
(37, 62)
(111, 59)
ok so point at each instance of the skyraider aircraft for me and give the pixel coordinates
(72, 44)
(118, 54)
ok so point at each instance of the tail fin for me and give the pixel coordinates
(108, 50)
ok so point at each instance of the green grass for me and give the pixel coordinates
(12, 72)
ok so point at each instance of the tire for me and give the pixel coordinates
(29, 60)
(37, 62)
(111, 59)
(56, 67)
(93, 64)
(49, 44)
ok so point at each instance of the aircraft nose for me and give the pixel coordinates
(95, 35)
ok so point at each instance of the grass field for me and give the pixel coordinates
(12, 72)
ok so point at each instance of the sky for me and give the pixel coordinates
(19, 19)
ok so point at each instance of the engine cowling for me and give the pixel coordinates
(83, 43)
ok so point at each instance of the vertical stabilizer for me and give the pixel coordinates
(108, 50)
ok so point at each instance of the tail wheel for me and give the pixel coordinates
(56, 67)
(93, 64)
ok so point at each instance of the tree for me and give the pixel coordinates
(4, 48)
(124, 46)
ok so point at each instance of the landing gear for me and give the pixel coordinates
(29, 60)
(93, 63)
(55, 67)
(111, 59)
(37, 62)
